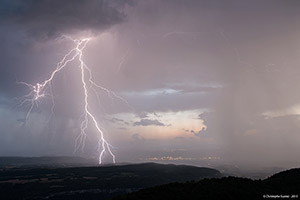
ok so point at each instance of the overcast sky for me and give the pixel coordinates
(202, 79)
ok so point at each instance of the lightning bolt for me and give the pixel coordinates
(44, 89)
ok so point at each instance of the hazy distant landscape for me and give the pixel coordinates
(55, 161)
(71, 178)
(52, 181)
(74, 178)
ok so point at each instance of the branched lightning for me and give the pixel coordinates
(44, 89)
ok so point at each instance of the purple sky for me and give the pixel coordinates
(204, 80)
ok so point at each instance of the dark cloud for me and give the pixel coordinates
(199, 133)
(118, 121)
(156, 115)
(137, 137)
(148, 122)
(142, 115)
(52, 18)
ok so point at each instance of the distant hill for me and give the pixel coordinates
(91, 183)
(63, 161)
(282, 185)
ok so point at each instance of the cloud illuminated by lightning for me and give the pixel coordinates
(44, 89)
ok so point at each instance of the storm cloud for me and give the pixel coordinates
(49, 19)
(148, 122)
(228, 72)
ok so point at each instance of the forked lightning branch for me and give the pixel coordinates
(44, 89)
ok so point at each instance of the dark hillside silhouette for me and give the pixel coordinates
(284, 183)
(90, 183)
